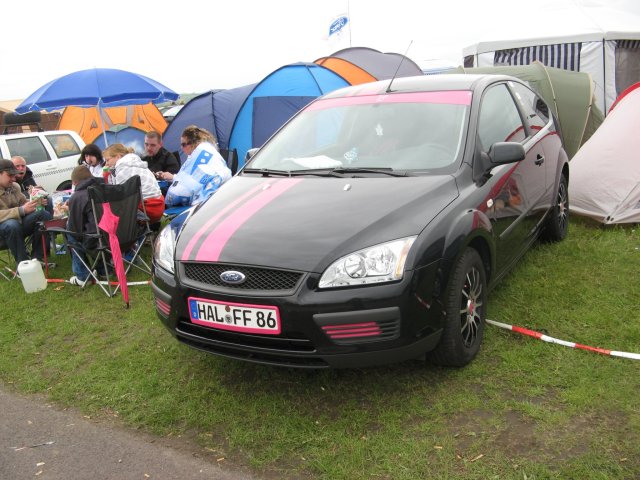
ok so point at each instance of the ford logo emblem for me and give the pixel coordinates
(233, 277)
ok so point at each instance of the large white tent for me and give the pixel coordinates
(597, 37)
(605, 173)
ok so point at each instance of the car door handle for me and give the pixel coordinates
(539, 159)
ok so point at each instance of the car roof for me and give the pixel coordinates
(424, 83)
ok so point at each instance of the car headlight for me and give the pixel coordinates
(164, 248)
(380, 263)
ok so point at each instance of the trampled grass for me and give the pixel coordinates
(522, 409)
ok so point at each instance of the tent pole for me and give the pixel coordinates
(104, 133)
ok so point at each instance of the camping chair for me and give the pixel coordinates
(8, 264)
(231, 157)
(6, 271)
(171, 212)
(131, 232)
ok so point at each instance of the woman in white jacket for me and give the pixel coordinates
(123, 165)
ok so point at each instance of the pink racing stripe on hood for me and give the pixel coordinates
(219, 236)
(212, 220)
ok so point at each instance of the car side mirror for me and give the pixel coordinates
(502, 153)
(250, 153)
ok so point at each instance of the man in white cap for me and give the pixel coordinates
(19, 217)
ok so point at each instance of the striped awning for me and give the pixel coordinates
(628, 44)
(562, 55)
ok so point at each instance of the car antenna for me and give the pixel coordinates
(399, 65)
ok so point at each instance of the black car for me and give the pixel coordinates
(370, 227)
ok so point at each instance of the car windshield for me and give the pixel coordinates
(419, 132)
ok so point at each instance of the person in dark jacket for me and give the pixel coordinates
(158, 158)
(25, 176)
(27, 182)
(81, 220)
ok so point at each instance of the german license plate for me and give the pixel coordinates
(238, 317)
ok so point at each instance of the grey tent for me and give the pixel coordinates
(382, 66)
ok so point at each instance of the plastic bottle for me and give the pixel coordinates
(32, 276)
(105, 174)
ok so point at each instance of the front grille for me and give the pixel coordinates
(257, 279)
(290, 350)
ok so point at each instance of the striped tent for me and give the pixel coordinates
(601, 39)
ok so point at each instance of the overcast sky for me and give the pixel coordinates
(193, 46)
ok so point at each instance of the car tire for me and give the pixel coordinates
(557, 223)
(464, 302)
(64, 186)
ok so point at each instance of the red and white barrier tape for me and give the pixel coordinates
(546, 338)
(102, 282)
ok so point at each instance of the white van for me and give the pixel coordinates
(51, 155)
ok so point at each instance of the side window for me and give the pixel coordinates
(499, 118)
(64, 145)
(31, 148)
(536, 110)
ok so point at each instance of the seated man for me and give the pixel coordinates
(19, 217)
(26, 181)
(158, 158)
(24, 178)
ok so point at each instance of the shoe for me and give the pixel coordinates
(81, 283)
(76, 281)
(46, 265)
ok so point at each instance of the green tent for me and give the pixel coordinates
(569, 95)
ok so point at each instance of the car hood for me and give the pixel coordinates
(307, 223)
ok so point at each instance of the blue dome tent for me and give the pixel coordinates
(274, 100)
(245, 117)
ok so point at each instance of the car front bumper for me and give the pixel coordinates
(386, 323)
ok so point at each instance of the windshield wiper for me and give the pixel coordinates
(386, 171)
(267, 172)
(340, 172)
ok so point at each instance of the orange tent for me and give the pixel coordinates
(347, 70)
(87, 122)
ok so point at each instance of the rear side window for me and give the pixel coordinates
(499, 118)
(31, 148)
(536, 110)
(64, 145)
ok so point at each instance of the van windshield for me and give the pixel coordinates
(406, 132)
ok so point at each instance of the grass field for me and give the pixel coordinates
(524, 409)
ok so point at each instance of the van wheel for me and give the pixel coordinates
(464, 302)
(64, 186)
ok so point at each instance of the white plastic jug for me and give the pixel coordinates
(32, 276)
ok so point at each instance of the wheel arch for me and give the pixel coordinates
(473, 229)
